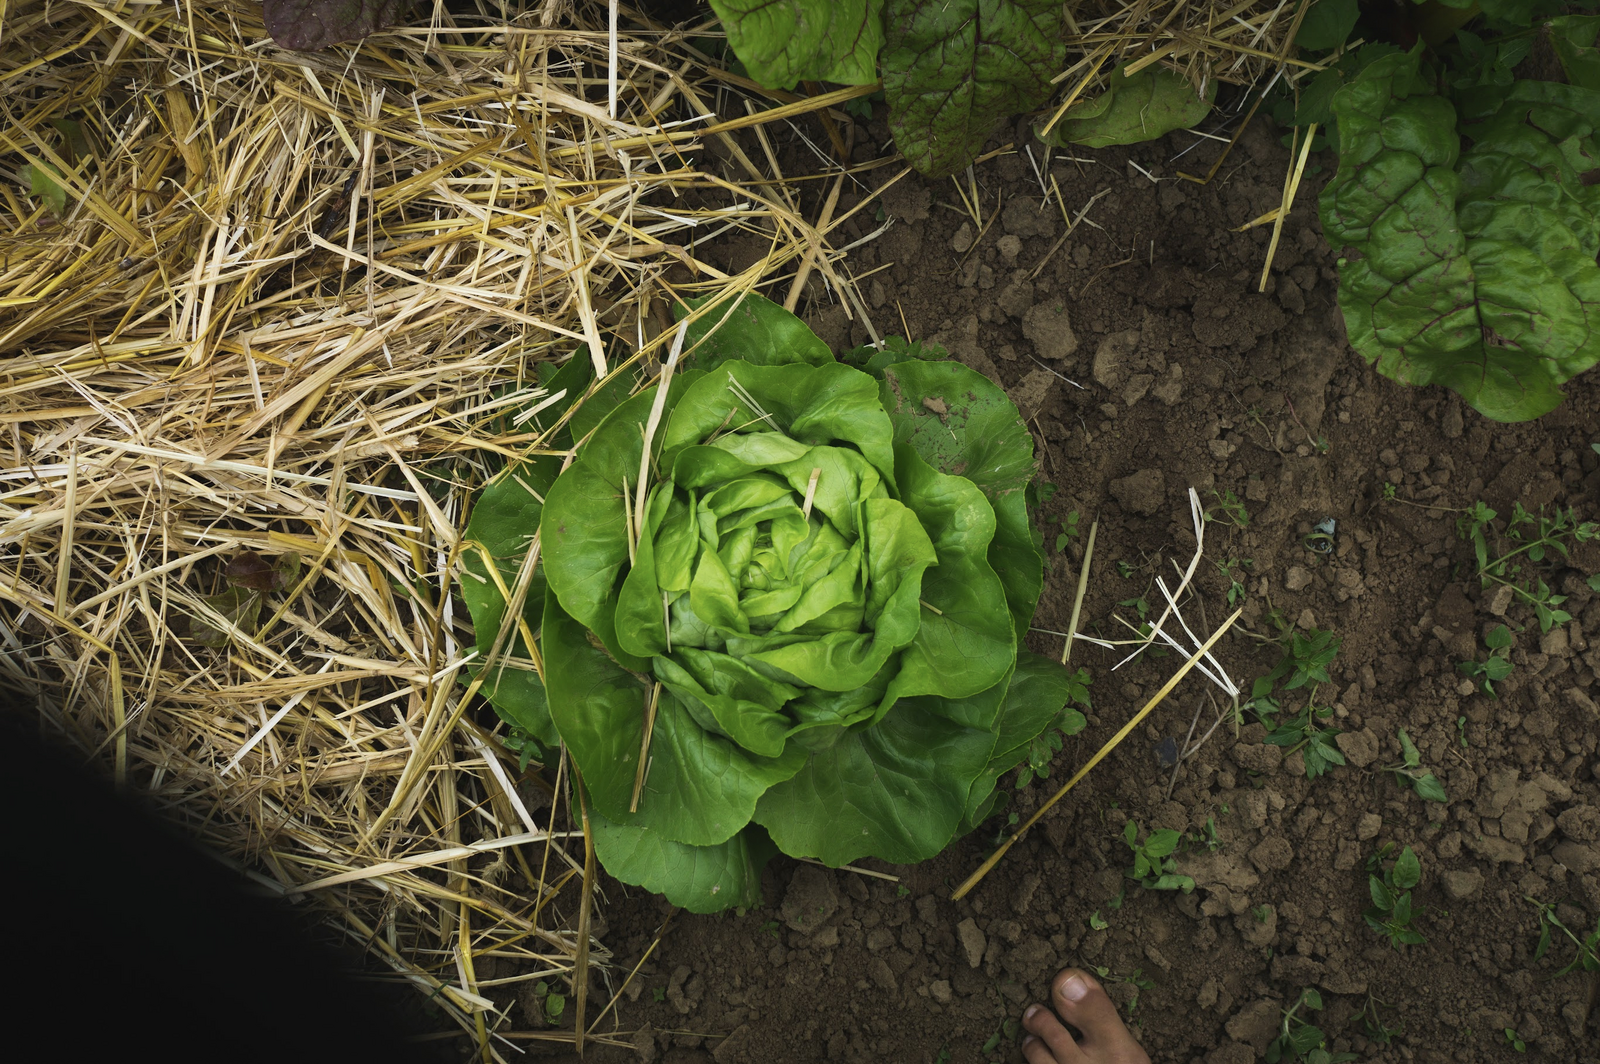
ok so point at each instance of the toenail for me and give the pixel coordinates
(1074, 989)
(1032, 1011)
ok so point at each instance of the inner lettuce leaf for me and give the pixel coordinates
(821, 604)
(784, 42)
(1473, 270)
(952, 70)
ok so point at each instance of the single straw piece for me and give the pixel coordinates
(994, 859)
(1083, 585)
(644, 745)
(657, 405)
(811, 492)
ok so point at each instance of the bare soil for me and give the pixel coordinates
(1191, 377)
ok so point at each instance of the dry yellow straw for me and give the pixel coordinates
(1077, 600)
(1166, 689)
(1290, 188)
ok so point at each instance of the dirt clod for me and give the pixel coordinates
(1143, 493)
(973, 941)
(812, 898)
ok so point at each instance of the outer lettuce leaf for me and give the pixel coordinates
(758, 331)
(952, 69)
(1498, 302)
(962, 424)
(1150, 104)
(702, 879)
(1574, 39)
(784, 42)
(896, 790)
(1035, 701)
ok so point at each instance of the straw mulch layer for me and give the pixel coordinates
(289, 317)
(291, 308)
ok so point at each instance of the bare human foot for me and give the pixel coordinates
(1082, 1002)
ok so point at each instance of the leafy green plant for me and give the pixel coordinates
(1229, 506)
(1514, 1040)
(1525, 537)
(1069, 529)
(1097, 922)
(1410, 773)
(1374, 1024)
(1391, 912)
(1473, 269)
(1154, 867)
(1136, 979)
(1044, 746)
(1231, 569)
(1586, 955)
(1305, 660)
(1299, 1040)
(1134, 108)
(792, 623)
(553, 1005)
(1492, 669)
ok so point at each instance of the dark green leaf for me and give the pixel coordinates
(307, 25)
(784, 42)
(1412, 756)
(43, 181)
(951, 70)
(1162, 842)
(241, 607)
(1430, 789)
(1407, 870)
(1327, 24)
(1573, 37)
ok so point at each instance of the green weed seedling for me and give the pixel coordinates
(1135, 979)
(1229, 507)
(1230, 569)
(1496, 667)
(1410, 773)
(1069, 529)
(1305, 661)
(553, 1005)
(1526, 537)
(1373, 1023)
(1515, 1040)
(1587, 955)
(1098, 922)
(1299, 1040)
(1391, 911)
(1154, 867)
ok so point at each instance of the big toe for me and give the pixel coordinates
(1083, 1002)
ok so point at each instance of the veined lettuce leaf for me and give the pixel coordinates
(784, 42)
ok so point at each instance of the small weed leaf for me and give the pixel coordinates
(1407, 870)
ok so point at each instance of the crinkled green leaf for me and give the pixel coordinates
(784, 42)
(307, 25)
(1481, 276)
(966, 642)
(701, 879)
(1034, 699)
(1573, 37)
(756, 330)
(964, 425)
(896, 790)
(700, 789)
(1327, 24)
(1150, 104)
(874, 359)
(952, 69)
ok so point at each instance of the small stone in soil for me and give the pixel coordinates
(1144, 492)
(1272, 853)
(1462, 884)
(1298, 578)
(973, 941)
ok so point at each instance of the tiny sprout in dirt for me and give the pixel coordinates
(1410, 773)
(1496, 667)
(1515, 1040)
(1098, 922)
(1391, 911)
(1154, 867)
(1587, 949)
(1299, 1040)
(1230, 508)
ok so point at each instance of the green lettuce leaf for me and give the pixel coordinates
(1481, 276)
(784, 42)
(701, 879)
(952, 70)
(757, 331)
(964, 425)
(1150, 104)
(1573, 37)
